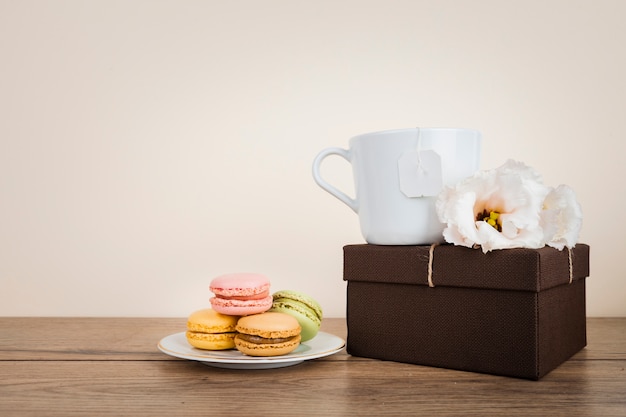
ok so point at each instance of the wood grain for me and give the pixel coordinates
(110, 366)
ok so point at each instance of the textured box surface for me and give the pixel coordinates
(513, 312)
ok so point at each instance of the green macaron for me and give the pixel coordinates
(305, 309)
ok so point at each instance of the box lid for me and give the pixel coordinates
(457, 266)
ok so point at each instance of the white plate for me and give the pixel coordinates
(324, 344)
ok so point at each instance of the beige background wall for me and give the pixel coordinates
(148, 146)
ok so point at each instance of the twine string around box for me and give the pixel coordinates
(571, 264)
(431, 255)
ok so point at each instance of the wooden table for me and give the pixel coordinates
(111, 366)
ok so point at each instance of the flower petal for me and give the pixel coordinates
(514, 191)
(561, 218)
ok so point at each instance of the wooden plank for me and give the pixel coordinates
(110, 366)
(606, 338)
(83, 338)
(321, 387)
(29, 338)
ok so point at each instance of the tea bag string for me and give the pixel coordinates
(420, 166)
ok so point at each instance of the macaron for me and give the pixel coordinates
(302, 307)
(207, 329)
(241, 294)
(267, 334)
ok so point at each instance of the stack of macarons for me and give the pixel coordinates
(246, 317)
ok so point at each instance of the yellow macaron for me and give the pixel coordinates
(267, 334)
(207, 329)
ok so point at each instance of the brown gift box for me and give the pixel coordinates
(512, 312)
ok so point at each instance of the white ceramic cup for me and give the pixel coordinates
(387, 215)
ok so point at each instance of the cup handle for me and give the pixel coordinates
(345, 154)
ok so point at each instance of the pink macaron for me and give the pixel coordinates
(241, 294)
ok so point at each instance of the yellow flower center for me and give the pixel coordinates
(492, 218)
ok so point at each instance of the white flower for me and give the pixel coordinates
(508, 207)
(561, 218)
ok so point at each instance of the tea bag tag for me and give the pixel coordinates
(420, 173)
